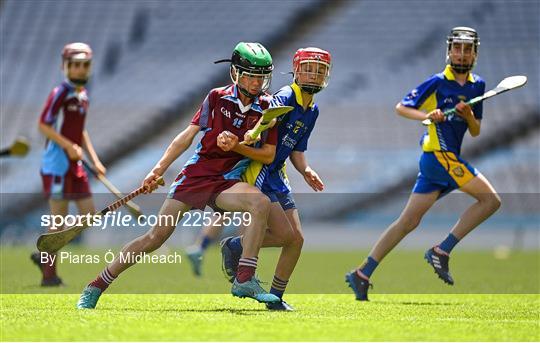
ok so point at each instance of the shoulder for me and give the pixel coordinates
(216, 94)
(285, 91)
(220, 91)
(265, 100)
(315, 112)
(435, 78)
(429, 84)
(59, 92)
(478, 79)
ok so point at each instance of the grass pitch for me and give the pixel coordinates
(171, 314)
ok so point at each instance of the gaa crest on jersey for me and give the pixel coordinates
(458, 171)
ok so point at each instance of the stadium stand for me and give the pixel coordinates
(171, 61)
(153, 59)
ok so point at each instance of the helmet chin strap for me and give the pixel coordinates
(460, 68)
(78, 82)
(242, 90)
(245, 92)
(311, 89)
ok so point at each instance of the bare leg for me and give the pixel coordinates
(409, 219)
(488, 202)
(154, 238)
(85, 206)
(290, 253)
(246, 198)
(58, 208)
(280, 231)
(48, 264)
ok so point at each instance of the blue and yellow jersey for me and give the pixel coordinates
(294, 130)
(442, 91)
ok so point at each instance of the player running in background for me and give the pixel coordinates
(62, 123)
(442, 170)
(311, 71)
(209, 178)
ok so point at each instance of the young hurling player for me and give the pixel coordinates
(209, 178)
(62, 123)
(442, 170)
(311, 71)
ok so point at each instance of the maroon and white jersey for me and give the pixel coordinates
(65, 110)
(222, 111)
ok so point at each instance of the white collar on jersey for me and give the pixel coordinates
(243, 108)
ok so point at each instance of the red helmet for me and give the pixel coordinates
(77, 51)
(319, 56)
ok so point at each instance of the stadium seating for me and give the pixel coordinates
(152, 56)
(170, 60)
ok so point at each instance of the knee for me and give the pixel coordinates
(154, 240)
(493, 202)
(297, 239)
(409, 223)
(258, 204)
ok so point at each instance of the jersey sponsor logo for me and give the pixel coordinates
(73, 108)
(289, 142)
(448, 101)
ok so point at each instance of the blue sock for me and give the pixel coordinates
(205, 243)
(449, 243)
(368, 267)
(236, 245)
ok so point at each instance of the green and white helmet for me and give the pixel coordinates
(252, 60)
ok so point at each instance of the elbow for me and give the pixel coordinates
(399, 109)
(268, 160)
(42, 127)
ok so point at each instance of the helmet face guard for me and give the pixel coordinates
(77, 53)
(464, 42)
(311, 69)
(237, 73)
(250, 62)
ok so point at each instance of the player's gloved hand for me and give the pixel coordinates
(464, 110)
(227, 141)
(150, 183)
(436, 116)
(313, 180)
(75, 152)
(248, 140)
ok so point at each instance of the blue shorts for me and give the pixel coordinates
(286, 200)
(442, 171)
